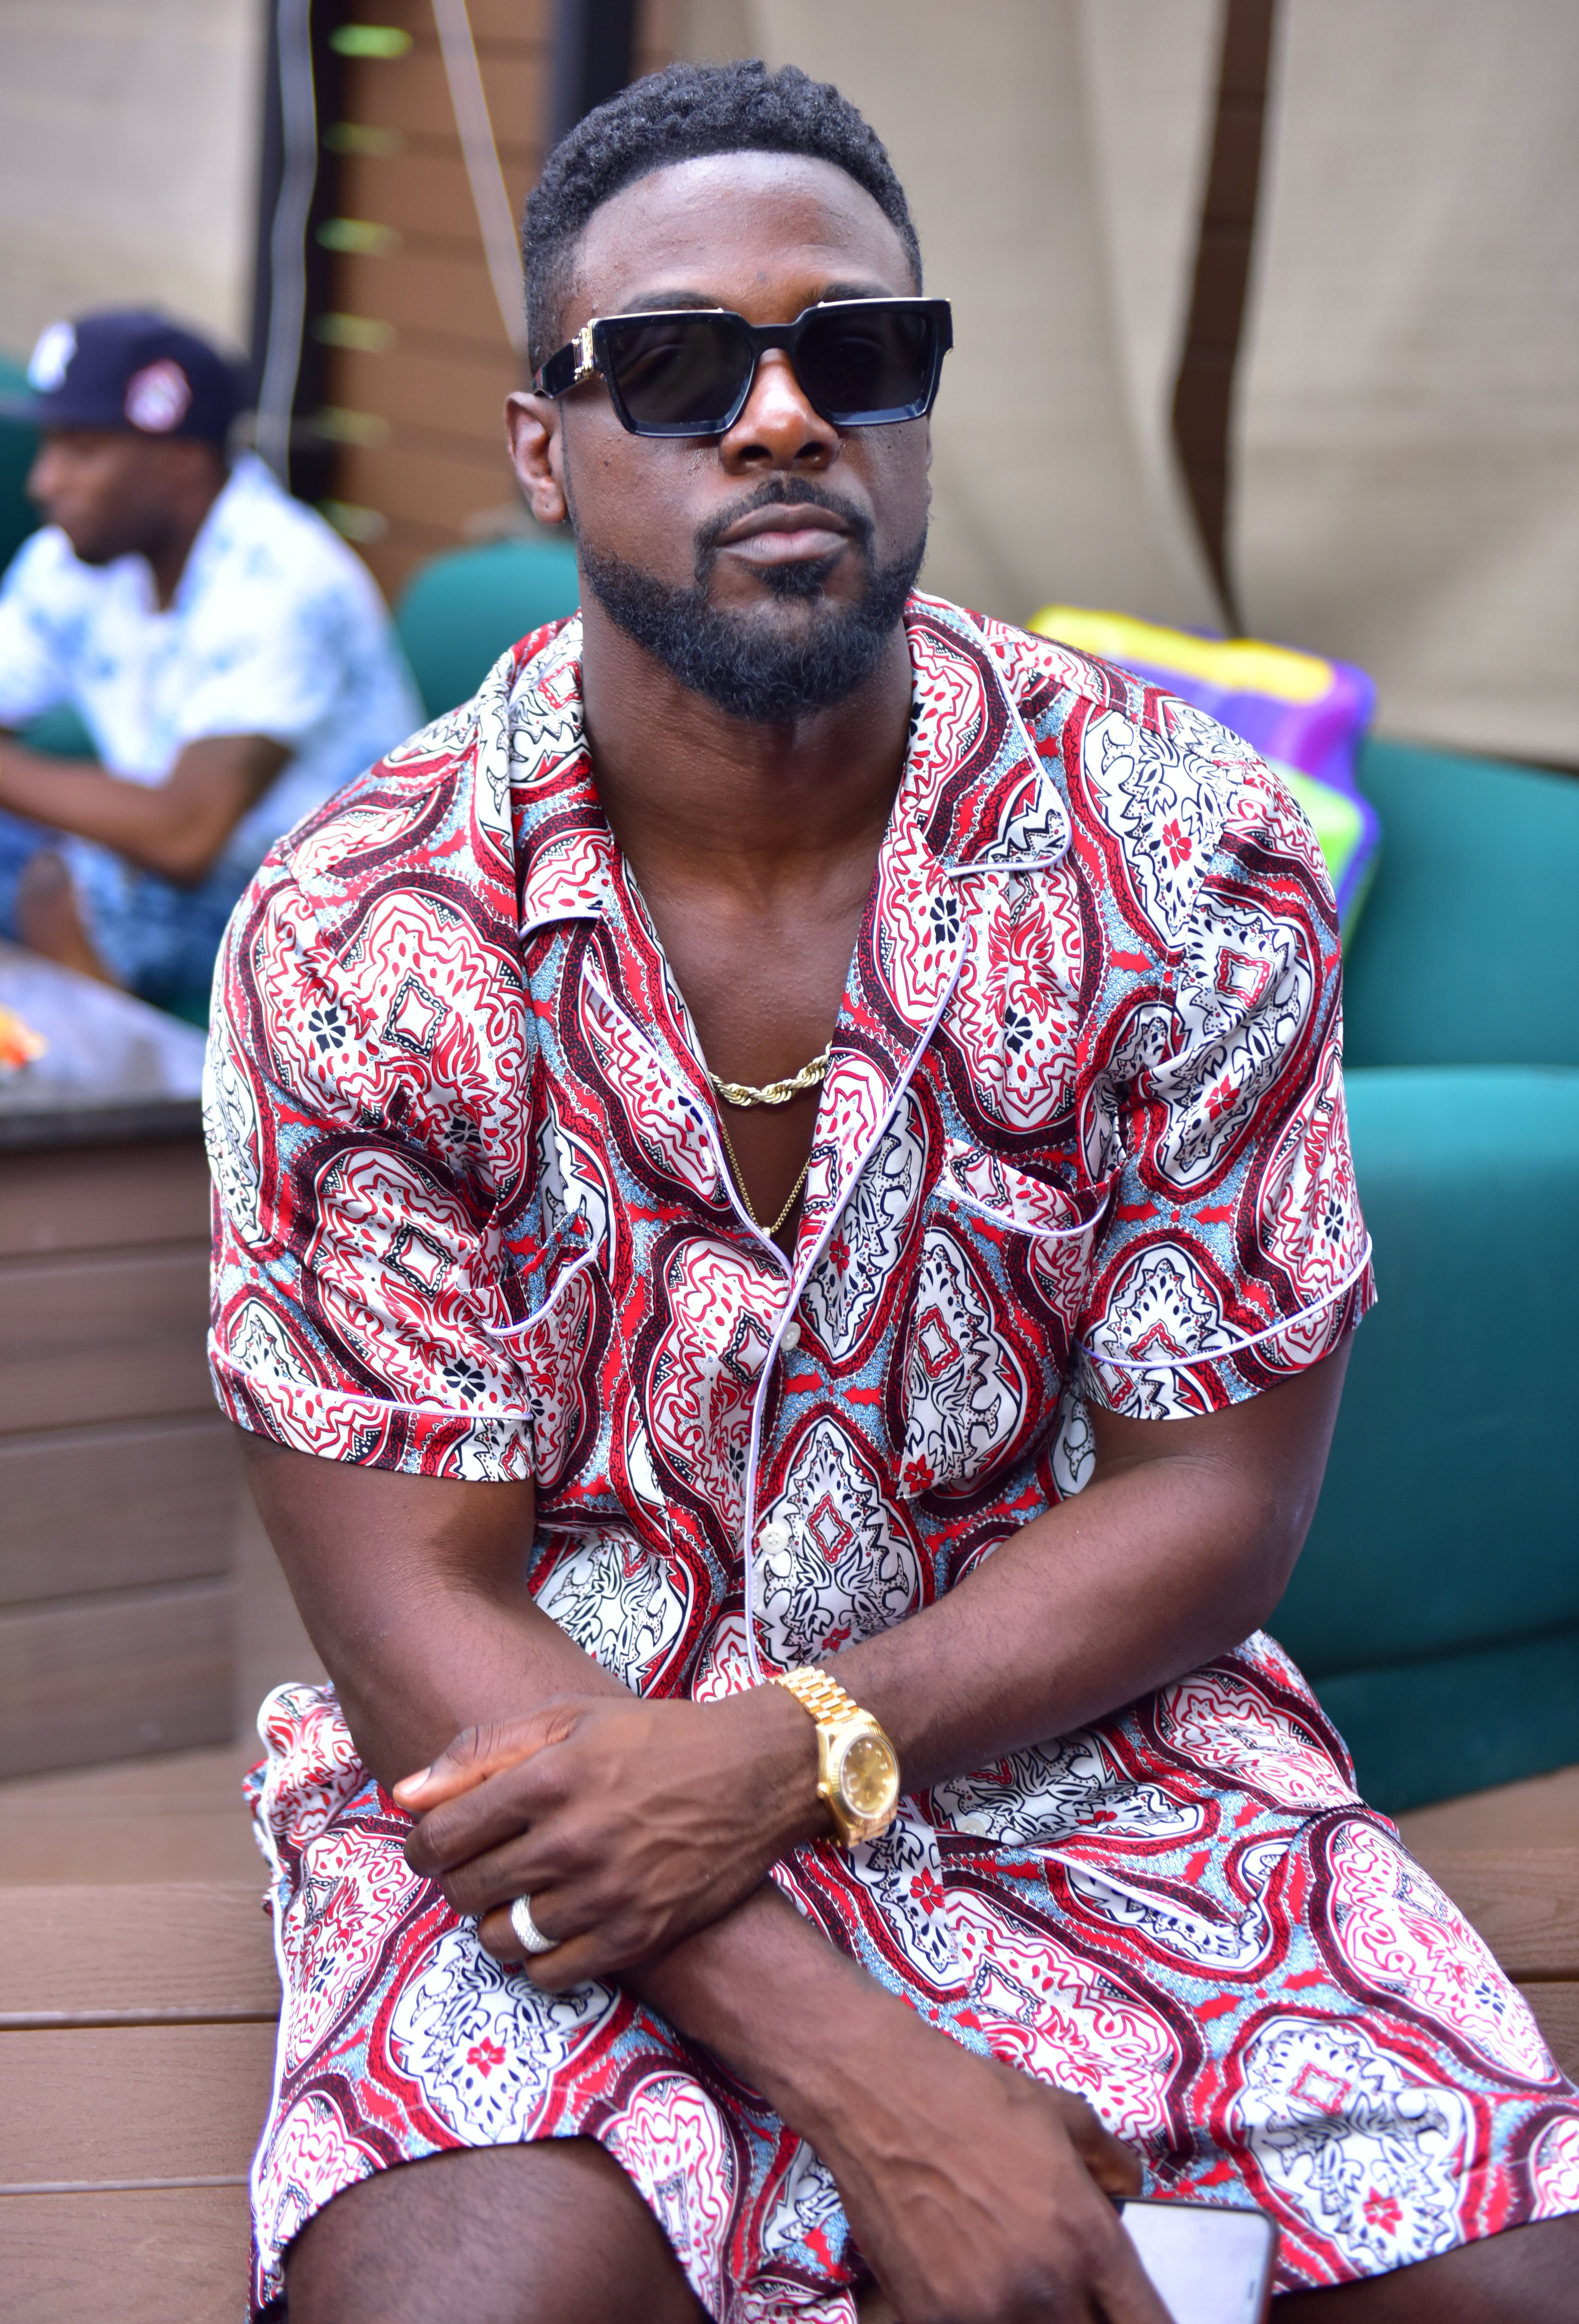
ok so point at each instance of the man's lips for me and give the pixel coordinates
(786, 531)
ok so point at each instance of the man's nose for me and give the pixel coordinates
(780, 427)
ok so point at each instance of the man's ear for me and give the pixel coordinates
(537, 453)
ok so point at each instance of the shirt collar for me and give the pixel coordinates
(974, 793)
(249, 480)
(974, 781)
(565, 850)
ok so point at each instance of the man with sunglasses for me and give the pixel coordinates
(787, 1253)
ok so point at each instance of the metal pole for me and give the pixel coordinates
(281, 352)
(594, 45)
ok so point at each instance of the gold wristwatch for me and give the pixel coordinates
(858, 1768)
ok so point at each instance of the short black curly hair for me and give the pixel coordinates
(675, 116)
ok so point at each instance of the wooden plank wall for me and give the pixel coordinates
(420, 363)
(118, 1479)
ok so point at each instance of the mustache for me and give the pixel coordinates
(780, 492)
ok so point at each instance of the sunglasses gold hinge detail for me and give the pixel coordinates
(586, 362)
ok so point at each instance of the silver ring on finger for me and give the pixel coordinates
(527, 1931)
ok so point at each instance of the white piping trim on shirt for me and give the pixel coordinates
(962, 1202)
(577, 1267)
(799, 1276)
(1231, 1347)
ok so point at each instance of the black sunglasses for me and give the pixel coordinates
(863, 363)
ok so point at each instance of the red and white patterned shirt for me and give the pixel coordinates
(1082, 1138)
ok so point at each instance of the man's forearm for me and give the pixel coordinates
(1104, 1598)
(174, 828)
(764, 1993)
(1156, 1567)
(41, 786)
(73, 795)
(432, 1659)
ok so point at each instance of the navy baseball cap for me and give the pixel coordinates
(129, 368)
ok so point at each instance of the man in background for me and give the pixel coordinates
(229, 656)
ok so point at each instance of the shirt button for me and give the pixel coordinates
(791, 1335)
(773, 1536)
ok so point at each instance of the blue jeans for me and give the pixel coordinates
(156, 939)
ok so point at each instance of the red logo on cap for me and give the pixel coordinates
(158, 397)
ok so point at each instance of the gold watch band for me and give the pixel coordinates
(823, 1696)
(847, 1738)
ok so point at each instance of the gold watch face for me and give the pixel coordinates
(869, 1776)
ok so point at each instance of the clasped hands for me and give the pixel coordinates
(975, 2193)
(630, 1823)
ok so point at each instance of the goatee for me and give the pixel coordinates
(748, 668)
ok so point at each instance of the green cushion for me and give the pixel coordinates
(61, 733)
(1445, 1524)
(1468, 953)
(1432, 1730)
(459, 613)
(18, 443)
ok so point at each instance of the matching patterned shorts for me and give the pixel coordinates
(1186, 1914)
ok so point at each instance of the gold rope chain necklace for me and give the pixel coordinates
(743, 1094)
(774, 1092)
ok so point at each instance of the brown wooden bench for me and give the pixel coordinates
(136, 2045)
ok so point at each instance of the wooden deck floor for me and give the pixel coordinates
(139, 1997)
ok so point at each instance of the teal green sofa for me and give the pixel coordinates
(1435, 1609)
(18, 443)
(458, 612)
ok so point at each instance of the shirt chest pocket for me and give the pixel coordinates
(539, 1270)
(1004, 1264)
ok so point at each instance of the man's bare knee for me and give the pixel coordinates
(49, 919)
(548, 2233)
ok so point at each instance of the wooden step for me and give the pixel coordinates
(135, 2256)
(136, 2052)
(137, 2025)
(172, 1953)
(133, 2105)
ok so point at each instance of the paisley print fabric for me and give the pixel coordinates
(1081, 1141)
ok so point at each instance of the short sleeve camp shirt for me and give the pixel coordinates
(276, 628)
(1082, 1139)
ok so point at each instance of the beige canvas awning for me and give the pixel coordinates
(1406, 443)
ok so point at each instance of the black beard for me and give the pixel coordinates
(746, 668)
